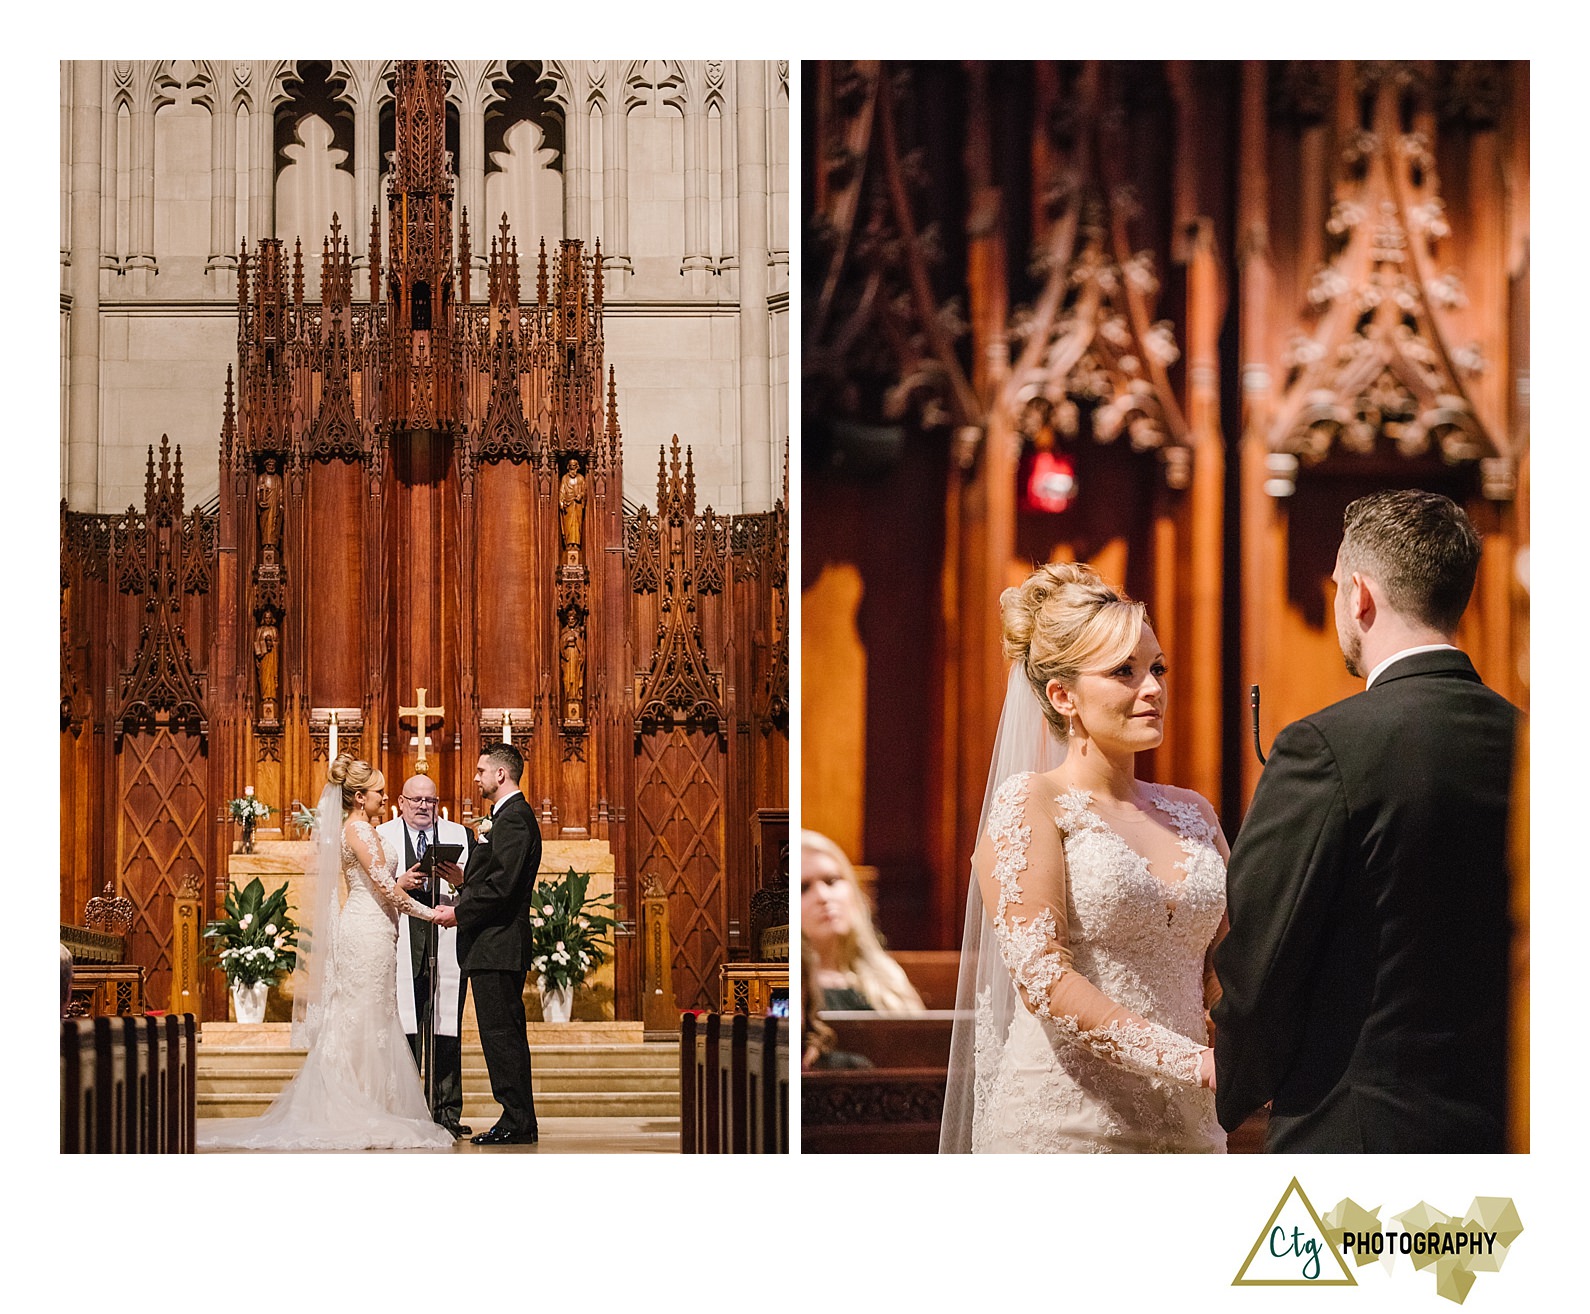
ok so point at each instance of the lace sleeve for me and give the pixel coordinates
(368, 851)
(1021, 870)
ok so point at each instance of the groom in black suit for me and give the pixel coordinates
(493, 913)
(1365, 975)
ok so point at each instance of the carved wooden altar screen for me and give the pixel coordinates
(421, 516)
(1164, 317)
(137, 602)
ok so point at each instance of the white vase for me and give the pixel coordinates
(248, 1001)
(557, 1002)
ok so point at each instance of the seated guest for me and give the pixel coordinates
(66, 979)
(852, 971)
(817, 1038)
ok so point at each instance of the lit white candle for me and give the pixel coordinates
(248, 791)
(444, 812)
(331, 750)
(507, 727)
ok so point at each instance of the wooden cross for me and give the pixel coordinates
(422, 713)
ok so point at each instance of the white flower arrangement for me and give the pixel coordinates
(568, 930)
(257, 940)
(247, 808)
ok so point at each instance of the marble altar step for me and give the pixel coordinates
(595, 1080)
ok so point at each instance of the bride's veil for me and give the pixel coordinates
(985, 998)
(317, 920)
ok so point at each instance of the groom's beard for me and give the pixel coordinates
(1352, 654)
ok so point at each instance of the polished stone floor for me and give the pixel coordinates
(579, 1136)
(592, 1136)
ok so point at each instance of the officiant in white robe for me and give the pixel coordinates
(410, 834)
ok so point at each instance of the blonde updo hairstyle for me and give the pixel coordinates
(353, 775)
(1065, 621)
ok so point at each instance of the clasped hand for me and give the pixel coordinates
(450, 872)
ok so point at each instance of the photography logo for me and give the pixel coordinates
(1292, 1249)
(1297, 1247)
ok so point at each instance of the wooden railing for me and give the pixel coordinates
(129, 1085)
(733, 1088)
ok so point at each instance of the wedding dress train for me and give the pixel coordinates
(358, 1088)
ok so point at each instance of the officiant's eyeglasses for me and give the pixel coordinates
(419, 802)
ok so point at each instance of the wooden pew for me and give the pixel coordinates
(893, 1107)
(871, 1111)
(129, 1085)
(932, 972)
(734, 1089)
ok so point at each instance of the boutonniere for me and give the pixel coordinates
(483, 828)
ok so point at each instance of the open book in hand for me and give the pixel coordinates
(439, 853)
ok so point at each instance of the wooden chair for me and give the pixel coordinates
(104, 983)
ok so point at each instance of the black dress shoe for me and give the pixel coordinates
(458, 1129)
(499, 1136)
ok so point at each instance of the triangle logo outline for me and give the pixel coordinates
(1294, 1187)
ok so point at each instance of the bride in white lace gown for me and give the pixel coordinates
(358, 1088)
(1096, 902)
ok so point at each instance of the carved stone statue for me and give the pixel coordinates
(266, 640)
(268, 511)
(571, 513)
(573, 664)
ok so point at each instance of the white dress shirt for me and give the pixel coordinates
(1406, 652)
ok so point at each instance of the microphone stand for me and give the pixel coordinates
(428, 1022)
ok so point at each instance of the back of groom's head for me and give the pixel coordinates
(1420, 547)
(507, 757)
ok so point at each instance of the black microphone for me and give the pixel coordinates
(1253, 698)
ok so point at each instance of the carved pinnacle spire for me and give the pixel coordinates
(375, 255)
(420, 103)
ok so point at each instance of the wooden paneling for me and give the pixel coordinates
(1137, 264)
(163, 833)
(513, 648)
(339, 598)
(679, 815)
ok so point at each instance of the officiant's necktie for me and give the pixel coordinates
(421, 843)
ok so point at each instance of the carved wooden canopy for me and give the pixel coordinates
(1377, 354)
